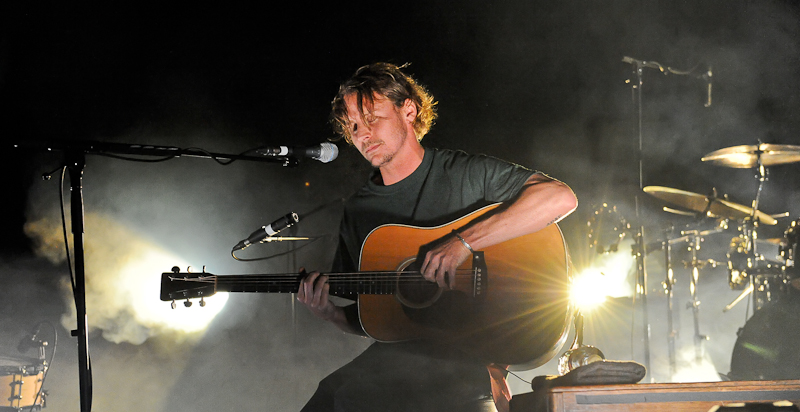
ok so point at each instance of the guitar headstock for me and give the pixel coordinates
(177, 285)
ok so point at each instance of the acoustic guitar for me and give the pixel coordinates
(510, 304)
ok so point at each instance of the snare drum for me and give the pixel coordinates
(743, 263)
(20, 383)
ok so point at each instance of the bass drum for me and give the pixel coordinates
(766, 348)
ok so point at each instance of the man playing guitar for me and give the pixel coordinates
(384, 114)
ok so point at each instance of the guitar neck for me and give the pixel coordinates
(341, 284)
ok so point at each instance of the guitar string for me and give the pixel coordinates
(338, 277)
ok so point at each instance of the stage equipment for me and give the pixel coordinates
(639, 237)
(21, 383)
(264, 234)
(75, 161)
(789, 251)
(607, 227)
(324, 152)
(711, 206)
(747, 258)
(578, 354)
(766, 347)
(750, 156)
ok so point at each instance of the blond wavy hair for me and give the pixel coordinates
(387, 80)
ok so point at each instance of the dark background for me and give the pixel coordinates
(538, 83)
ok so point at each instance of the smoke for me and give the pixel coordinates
(538, 83)
(122, 282)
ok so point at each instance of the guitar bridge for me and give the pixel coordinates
(480, 278)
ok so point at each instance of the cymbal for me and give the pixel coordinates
(721, 208)
(747, 156)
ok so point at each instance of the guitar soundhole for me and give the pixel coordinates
(412, 289)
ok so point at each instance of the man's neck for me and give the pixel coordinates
(403, 164)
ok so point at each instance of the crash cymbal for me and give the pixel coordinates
(747, 156)
(720, 208)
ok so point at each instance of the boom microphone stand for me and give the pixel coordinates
(75, 158)
(639, 248)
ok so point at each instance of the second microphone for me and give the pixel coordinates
(266, 231)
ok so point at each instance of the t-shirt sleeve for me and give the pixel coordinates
(501, 180)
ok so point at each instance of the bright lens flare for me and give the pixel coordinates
(588, 290)
(150, 310)
(607, 277)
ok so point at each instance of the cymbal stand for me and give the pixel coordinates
(751, 227)
(669, 284)
(694, 304)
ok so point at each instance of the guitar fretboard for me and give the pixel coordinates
(341, 284)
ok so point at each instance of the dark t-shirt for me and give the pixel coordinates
(447, 185)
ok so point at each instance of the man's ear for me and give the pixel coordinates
(409, 110)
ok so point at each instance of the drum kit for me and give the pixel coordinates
(764, 269)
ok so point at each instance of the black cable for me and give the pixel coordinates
(310, 241)
(519, 377)
(64, 230)
(131, 159)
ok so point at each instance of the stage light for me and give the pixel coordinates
(588, 290)
(607, 276)
(143, 280)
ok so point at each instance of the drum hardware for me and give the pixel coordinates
(745, 259)
(748, 290)
(21, 382)
(694, 237)
(668, 285)
(607, 228)
(788, 249)
(694, 304)
(678, 212)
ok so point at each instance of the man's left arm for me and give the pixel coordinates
(541, 202)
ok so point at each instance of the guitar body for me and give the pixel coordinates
(521, 318)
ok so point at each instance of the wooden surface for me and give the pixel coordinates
(657, 397)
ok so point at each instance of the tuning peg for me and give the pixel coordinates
(188, 303)
(173, 304)
(204, 268)
(176, 269)
(202, 303)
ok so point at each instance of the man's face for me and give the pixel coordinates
(383, 130)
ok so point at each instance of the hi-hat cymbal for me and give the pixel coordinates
(747, 156)
(714, 207)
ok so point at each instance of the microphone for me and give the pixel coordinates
(325, 152)
(266, 231)
(29, 341)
